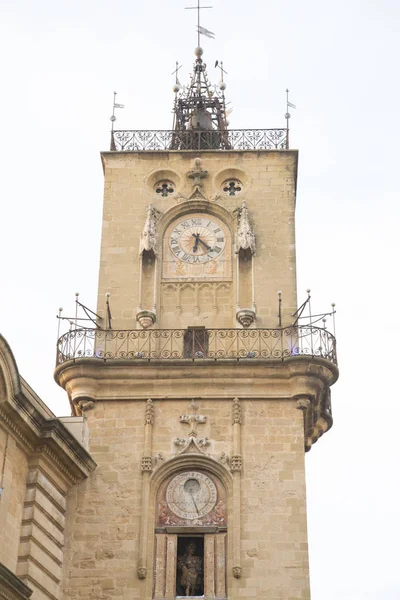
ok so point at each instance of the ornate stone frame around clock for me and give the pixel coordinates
(185, 208)
(166, 470)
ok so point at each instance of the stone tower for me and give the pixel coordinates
(199, 389)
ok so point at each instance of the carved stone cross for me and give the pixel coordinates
(193, 420)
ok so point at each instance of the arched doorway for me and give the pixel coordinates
(190, 536)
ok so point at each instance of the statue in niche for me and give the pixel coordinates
(190, 567)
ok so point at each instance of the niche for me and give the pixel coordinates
(190, 566)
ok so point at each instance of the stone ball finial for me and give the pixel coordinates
(198, 51)
(197, 162)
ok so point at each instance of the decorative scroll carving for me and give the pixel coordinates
(148, 238)
(236, 412)
(245, 237)
(149, 412)
(197, 174)
(147, 463)
(236, 462)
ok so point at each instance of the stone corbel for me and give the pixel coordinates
(146, 468)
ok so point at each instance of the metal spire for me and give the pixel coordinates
(199, 28)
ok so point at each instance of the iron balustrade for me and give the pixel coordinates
(234, 139)
(197, 344)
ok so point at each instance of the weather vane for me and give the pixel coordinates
(113, 118)
(201, 30)
(288, 115)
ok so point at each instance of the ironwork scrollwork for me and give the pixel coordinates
(216, 344)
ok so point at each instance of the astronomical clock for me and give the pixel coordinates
(191, 498)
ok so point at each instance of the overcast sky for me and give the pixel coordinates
(62, 60)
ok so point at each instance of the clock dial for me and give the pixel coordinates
(191, 495)
(197, 245)
(197, 240)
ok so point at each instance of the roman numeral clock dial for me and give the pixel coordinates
(197, 246)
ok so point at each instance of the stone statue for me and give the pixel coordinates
(190, 567)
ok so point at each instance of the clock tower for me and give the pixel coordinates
(200, 388)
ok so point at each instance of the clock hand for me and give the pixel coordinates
(195, 505)
(204, 244)
(197, 236)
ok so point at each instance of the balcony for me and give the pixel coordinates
(197, 344)
(235, 139)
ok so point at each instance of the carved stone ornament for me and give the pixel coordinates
(146, 318)
(192, 443)
(246, 317)
(85, 405)
(236, 412)
(224, 458)
(193, 421)
(303, 403)
(245, 237)
(159, 459)
(149, 412)
(237, 572)
(148, 238)
(147, 464)
(236, 462)
(197, 174)
(142, 572)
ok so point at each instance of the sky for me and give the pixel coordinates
(62, 61)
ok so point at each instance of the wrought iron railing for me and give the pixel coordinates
(234, 139)
(197, 344)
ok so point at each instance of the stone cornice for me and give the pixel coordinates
(33, 424)
(11, 587)
(294, 378)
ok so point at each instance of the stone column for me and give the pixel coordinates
(220, 566)
(160, 566)
(209, 566)
(236, 468)
(147, 467)
(170, 574)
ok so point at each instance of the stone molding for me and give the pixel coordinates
(33, 424)
(236, 412)
(293, 378)
(11, 587)
(149, 412)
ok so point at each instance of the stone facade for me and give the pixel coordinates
(40, 461)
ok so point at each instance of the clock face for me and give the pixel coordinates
(191, 495)
(197, 245)
(197, 240)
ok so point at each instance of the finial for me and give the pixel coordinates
(177, 86)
